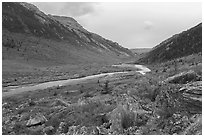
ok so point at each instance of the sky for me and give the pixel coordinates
(133, 24)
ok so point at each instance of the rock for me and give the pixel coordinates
(132, 131)
(61, 127)
(176, 129)
(121, 118)
(37, 120)
(66, 92)
(193, 91)
(14, 118)
(183, 78)
(24, 117)
(82, 130)
(48, 130)
(38, 130)
(192, 96)
(116, 121)
(74, 130)
(5, 105)
(192, 88)
(101, 118)
(102, 130)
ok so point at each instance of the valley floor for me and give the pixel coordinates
(129, 103)
(35, 75)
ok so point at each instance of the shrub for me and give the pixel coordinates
(31, 103)
(106, 88)
(164, 70)
(148, 91)
(87, 94)
(127, 118)
(153, 94)
(55, 93)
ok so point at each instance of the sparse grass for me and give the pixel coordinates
(89, 108)
(23, 74)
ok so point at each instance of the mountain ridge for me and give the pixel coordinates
(35, 26)
(183, 44)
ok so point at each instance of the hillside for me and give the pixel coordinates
(37, 39)
(183, 44)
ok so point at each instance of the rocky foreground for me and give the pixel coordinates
(121, 104)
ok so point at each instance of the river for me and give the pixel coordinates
(16, 90)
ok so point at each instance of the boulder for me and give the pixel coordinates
(116, 120)
(192, 96)
(37, 120)
(192, 91)
(102, 131)
(183, 78)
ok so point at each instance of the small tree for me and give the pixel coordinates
(106, 88)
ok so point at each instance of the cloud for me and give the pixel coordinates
(74, 9)
(124, 23)
(148, 25)
(77, 9)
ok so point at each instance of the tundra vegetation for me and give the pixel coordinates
(159, 102)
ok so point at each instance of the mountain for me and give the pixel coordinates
(140, 51)
(30, 36)
(183, 44)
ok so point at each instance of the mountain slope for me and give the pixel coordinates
(32, 37)
(183, 44)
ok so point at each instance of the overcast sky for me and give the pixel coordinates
(132, 25)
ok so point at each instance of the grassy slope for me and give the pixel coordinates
(32, 37)
(34, 60)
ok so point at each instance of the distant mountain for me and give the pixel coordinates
(183, 44)
(30, 36)
(140, 51)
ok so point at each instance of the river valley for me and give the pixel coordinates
(12, 90)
